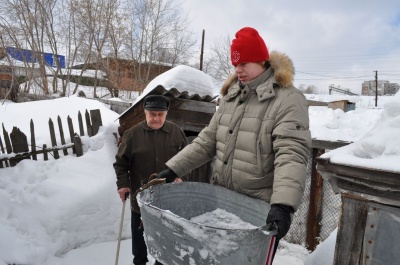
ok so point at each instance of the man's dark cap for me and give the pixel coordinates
(156, 102)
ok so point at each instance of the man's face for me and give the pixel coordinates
(249, 71)
(155, 119)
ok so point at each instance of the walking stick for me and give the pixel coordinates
(120, 228)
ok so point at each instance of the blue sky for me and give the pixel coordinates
(338, 42)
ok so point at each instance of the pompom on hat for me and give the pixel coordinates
(248, 47)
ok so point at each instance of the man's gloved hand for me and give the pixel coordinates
(280, 214)
(168, 174)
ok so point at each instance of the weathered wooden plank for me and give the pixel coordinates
(3, 151)
(19, 143)
(349, 241)
(191, 127)
(189, 116)
(389, 193)
(95, 116)
(367, 175)
(7, 141)
(53, 139)
(78, 145)
(71, 132)
(328, 145)
(33, 141)
(2, 146)
(45, 153)
(81, 131)
(192, 105)
(88, 124)
(60, 127)
(314, 215)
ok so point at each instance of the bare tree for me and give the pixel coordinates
(26, 22)
(158, 33)
(311, 89)
(93, 18)
(151, 32)
(114, 47)
(218, 64)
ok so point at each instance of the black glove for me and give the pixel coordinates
(280, 214)
(168, 174)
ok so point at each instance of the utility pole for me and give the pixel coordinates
(202, 51)
(376, 88)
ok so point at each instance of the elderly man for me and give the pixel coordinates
(144, 149)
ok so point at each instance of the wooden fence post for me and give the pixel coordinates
(60, 127)
(315, 204)
(53, 139)
(7, 141)
(33, 141)
(45, 153)
(19, 144)
(81, 132)
(96, 120)
(71, 132)
(78, 145)
(3, 151)
(88, 124)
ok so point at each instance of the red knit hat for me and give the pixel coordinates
(248, 47)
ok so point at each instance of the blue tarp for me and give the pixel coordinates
(24, 55)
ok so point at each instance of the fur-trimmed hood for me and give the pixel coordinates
(282, 67)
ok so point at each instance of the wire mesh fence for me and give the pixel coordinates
(331, 203)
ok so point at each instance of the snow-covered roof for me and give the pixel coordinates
(181, 82)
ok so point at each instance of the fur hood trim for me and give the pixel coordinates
(282, 67)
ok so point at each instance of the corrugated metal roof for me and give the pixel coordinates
(173, 92)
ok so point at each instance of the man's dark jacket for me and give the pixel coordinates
(144, 151)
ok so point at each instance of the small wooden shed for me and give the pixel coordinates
(9, 87)
(191, 112)
(368, 230)
(344, 105)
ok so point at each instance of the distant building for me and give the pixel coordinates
(344, 105)
(384, 88)
(8, 83)
(128, 75)
(392, 88)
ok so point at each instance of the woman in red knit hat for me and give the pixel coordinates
(259, 135)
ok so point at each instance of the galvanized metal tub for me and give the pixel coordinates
(172, 238)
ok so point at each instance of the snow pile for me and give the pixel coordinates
(223, 219)
(380, 147)
(50, 207)
(337, 125)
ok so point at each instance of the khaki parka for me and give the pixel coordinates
(259, 136)
(144, 151)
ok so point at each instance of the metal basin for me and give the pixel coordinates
(173, 239)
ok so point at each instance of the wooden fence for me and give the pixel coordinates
(16, 147)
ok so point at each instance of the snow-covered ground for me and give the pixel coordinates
(67, 211)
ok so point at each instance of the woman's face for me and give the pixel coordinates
(155, 119)
(249, 71)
